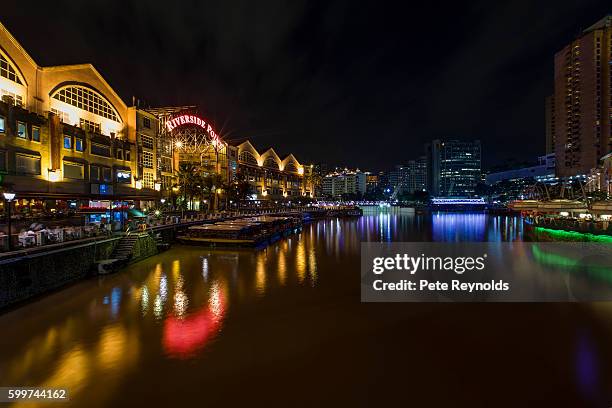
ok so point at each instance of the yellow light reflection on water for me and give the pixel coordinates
(214, 301)
(144, 300)
(300, 261)
(282, 263)
(312, 265)
(111, 348)
(260, 274)
(176, 268)
(181, 302)
(71, 372)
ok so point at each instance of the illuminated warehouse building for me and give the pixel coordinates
(68, 141)
(271, 177)
(67, 138)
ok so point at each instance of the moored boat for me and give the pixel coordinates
(249, 232)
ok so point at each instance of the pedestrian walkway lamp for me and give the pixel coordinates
(9, 197)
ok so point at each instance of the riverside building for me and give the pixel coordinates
(273, 178)
(70, 144)
(583, 101)
(67, 140)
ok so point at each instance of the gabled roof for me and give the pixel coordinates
(86, 66)
(603, 23)
(17, 45)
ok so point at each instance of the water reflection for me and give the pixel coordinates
(176, 306)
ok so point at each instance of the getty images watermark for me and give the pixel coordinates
(492, 272)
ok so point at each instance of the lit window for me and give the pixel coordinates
(147, 160)
(2, 124)
(271, 163)
(27, 164)
(67, 142)
(7, 70)
(100, 150)
(247, 157)
(73, 170)
(36, 133)
(87, 99)
(147, 142)
(90, 126)
(78, 144)
(63, 116)
(17, 99)
(22, 131)
(147, 180)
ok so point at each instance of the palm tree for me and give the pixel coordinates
(213, 182)
(239, 189)
(187, 177)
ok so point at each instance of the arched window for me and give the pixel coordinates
(271, 163)
(87, 99)
(8, 71)
(247, 157)
(291, 167)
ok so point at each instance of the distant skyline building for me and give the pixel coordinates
(398, 178)
(417, 174)
(344, 182)
(583, 99)
(372, 181)
(545, 169)
(454, 167)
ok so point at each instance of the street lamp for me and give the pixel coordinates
(8, 196)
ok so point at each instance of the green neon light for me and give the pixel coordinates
(566, 264)
(562, 235)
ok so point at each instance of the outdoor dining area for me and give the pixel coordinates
(38, 235)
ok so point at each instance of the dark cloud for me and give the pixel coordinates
(359, 83)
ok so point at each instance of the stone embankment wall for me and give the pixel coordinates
(32, 274)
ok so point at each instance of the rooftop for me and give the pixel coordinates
(603, 23)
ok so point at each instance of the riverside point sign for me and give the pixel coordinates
(191, 120)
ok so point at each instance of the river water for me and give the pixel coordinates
(285, 326)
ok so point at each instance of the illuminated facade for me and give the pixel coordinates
(66, 134)
(271, 177)
(345, 182)
(583, 100)
(453, 167)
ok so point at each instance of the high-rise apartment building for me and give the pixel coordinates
(344, 182)
(549, 125)
(453, 167)
(583, 100)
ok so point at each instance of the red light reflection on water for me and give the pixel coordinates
(183, 337)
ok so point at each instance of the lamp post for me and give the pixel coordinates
(8, 196)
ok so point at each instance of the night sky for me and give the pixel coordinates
(355, 83)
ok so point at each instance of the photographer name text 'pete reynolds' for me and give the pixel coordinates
(413, 264)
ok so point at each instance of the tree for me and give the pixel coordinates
(187, 178)
(239, 189)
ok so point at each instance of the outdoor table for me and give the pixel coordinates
(27, 240)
